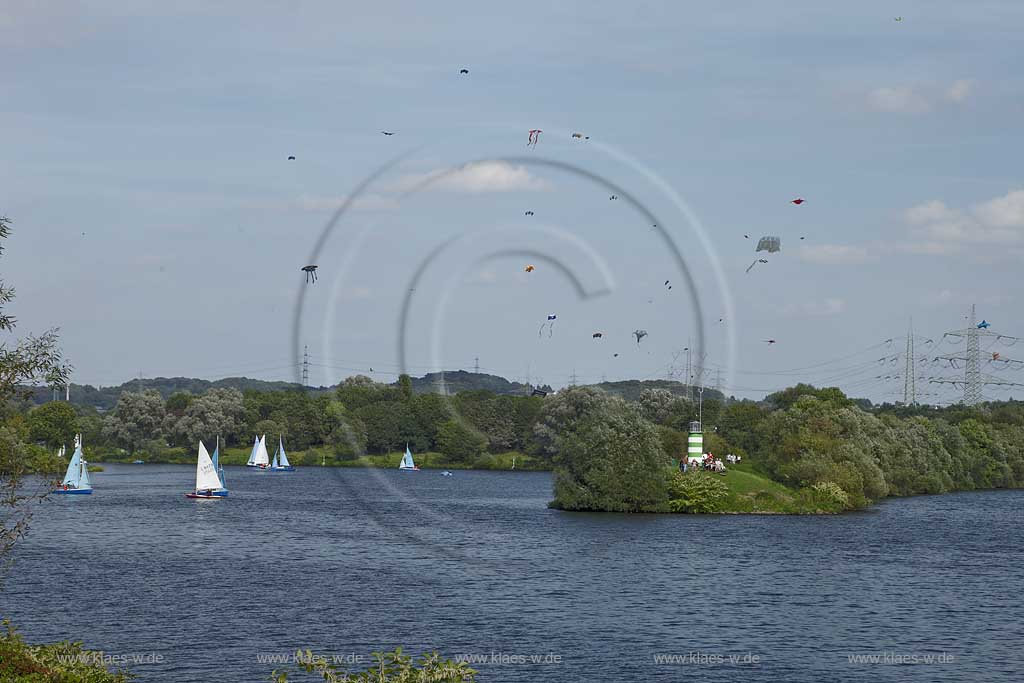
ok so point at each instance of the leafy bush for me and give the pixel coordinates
(62, 662)
(825, 496)
(388, 667)
(696, 492)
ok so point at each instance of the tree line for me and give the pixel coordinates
(608, 453)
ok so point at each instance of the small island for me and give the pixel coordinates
(803, 450)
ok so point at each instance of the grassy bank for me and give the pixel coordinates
(325, 457)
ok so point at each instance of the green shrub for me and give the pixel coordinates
(388, 667)
(62, 662)
(696, 492)
(826, 496)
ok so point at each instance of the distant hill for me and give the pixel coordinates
(452, 382)
(630, 389)
(105, 398)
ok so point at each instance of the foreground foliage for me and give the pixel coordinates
(62, 662)
(388, 667)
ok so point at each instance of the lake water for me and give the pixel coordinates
(348, 561)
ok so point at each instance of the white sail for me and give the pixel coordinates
(206, 475)
(255, 448)
(83, 479)
(284, 458)
(407, 462)
(261, 452)
(74, 473)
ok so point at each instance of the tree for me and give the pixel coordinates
(562, 411)
(405, 387)
(54, 423)
(30, 361)
(218, 412)
(459, 441)
(178, 402)
(138, 417)
(656, 405)
(606, 456)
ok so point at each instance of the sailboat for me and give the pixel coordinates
(219, 469)
(281, 465)
(76, 479)
(407, 463)
(262, 461)
(252, 456)
(208, 484)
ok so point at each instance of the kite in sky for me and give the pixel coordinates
(797, 201)
(529, 268)
(639, 334)
(995, 355)
(463, 71)
(760, 260)
(615, 355)
(769, 243)
(769, 341)
(598, 335)
(387, 132)
(529, 213)
(983, 324)
(291, 158)
(549, 323)
(612, 197)
(310, 273)
(534, 137)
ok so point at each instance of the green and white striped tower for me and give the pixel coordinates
(695, 443)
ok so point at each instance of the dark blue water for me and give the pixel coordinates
(351, 561)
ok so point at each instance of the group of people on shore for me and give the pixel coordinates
(709, 463)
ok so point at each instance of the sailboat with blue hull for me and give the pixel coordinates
(280, 463)
(252, 456)
(407, 464)
(223, 490)
(208, 483)
(76, 479)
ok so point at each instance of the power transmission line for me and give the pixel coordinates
(974, 380)
(909, 385)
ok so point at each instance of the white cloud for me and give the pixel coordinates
(1003, 212)
(997, 221)
(486, 176)
(899, 99)
(355, 294)
(825, 307)
(368, 202)
(904, 99)
(831, 254)
(959, 91)
(486, 276)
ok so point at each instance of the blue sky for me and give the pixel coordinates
(162, 133)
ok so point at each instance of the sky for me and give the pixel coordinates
(160, 225)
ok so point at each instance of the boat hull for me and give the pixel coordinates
(289, 468)
(73, 492)
(203, 496)
(408, 469)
